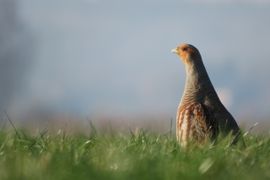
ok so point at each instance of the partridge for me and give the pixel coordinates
(200, 115)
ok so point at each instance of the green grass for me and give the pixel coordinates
(129, 156)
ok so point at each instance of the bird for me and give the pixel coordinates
(200, 116)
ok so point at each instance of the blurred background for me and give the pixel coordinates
(70, 61)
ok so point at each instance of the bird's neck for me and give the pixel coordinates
(197, 83)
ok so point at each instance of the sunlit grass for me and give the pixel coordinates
(139, 155)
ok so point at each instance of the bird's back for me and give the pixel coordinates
(220, 119)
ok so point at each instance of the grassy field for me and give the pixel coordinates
(139, 155)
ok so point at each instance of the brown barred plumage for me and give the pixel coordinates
(200, 114)
(191, 124)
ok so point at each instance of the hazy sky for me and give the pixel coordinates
(95, 57)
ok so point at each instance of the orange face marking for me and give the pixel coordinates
(185, 51)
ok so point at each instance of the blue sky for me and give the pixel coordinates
(96, 57)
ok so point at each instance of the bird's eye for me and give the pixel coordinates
(184, 49)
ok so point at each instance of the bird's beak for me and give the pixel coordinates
(174, 51)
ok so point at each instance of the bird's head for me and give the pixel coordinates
(188, 53)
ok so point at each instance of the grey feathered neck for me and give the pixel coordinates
(197, 81)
